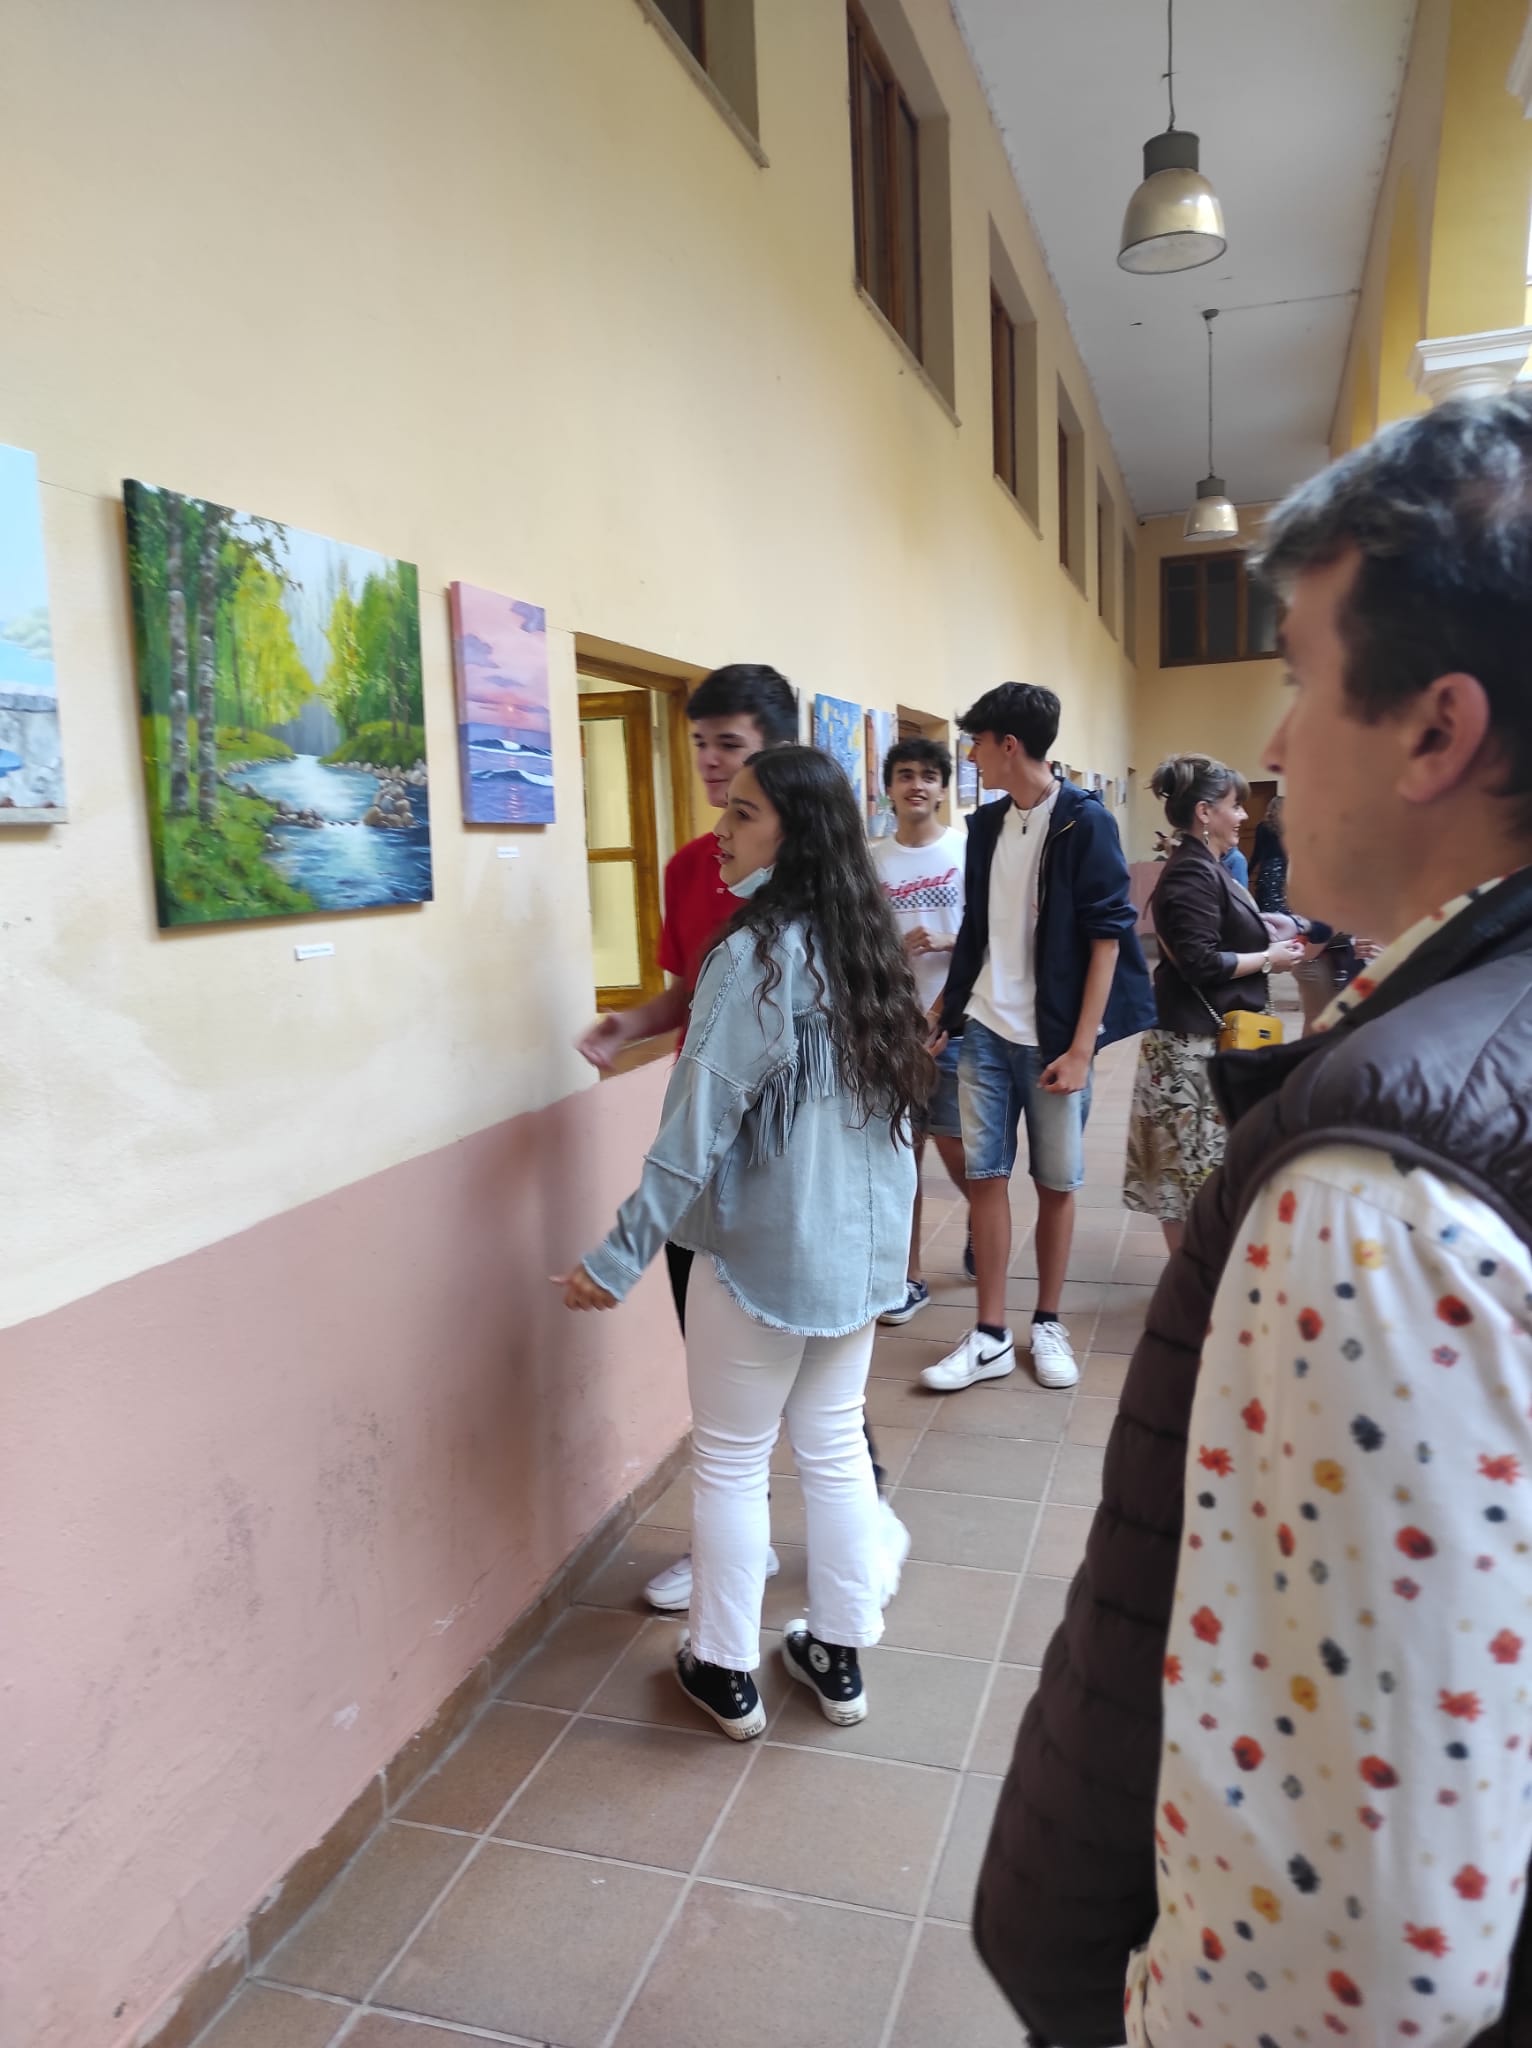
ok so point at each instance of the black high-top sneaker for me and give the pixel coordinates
(834, 1673)
(729, 1696)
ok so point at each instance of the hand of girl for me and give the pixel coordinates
(1287, 954)
(580, 1291)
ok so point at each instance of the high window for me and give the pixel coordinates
(717, 40)
(1073, 510)
(885, 169)
(1129, 599)
(1211, 609)
(1002, 377)
(1013, 379)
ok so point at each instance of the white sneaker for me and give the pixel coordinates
(671, 1590)
(894, 1545)
(1053, 1356)
(977, 1358)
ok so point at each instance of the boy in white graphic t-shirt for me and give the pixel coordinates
(921, 869)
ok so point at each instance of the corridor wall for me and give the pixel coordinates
(293, 1425)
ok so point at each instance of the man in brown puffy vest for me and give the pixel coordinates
(1276, 1783)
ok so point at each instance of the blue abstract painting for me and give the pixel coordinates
(838, 733)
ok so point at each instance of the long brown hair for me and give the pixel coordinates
(824, 876)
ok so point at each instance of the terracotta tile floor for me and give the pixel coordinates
(594, 1867)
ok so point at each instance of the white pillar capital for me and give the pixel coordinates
(1470, 365)
(1520, 80)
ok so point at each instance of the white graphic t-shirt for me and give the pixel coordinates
(924, 886)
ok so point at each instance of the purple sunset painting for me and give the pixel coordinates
(500, 661)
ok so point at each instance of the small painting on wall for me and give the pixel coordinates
(281, 712)
(967, 774)
(31, 760)
(838, 731)
(500, 660)
(882, 731)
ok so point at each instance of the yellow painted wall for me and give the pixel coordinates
(1227, 709)
(494, 288)
(1483, 177)
(1448, 249)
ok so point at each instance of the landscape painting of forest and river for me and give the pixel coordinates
(500, 660)
(282, 715)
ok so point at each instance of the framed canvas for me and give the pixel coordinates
(281, 713)
(31, 758)
(505, 751)
(882, 732)
(967, 774)
(838, 731)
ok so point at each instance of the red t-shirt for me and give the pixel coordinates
(697, 907)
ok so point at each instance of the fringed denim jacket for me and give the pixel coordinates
(763, 1160)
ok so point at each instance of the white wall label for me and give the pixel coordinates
(321, 951)
(508, 853)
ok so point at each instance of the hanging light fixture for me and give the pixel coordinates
(1174, 220)
(1212, 516)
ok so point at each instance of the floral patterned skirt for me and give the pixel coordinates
(1176, 1130)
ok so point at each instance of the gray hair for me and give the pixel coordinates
(1439, 510)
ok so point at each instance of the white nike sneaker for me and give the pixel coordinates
(894, 1546)
(977, 1358)
(671, 1590)
(1053, 1357)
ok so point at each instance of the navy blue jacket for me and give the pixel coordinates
(1082, 895)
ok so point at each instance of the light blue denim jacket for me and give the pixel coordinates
(762, 1159)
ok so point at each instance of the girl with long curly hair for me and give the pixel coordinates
(784, 1155)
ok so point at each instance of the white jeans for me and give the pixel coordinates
(743, 1378)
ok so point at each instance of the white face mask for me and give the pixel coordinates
(757, 879)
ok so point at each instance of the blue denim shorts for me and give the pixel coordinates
(998, 1085)
(941, 1118)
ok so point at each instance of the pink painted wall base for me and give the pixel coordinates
(273, 1501)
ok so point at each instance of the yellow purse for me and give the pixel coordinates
(1245, 1030)
(1238, 1030)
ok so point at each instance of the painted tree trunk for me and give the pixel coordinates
(180, 696)
(207, 669)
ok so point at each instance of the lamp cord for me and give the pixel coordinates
(1170, 59)
(1210, 395)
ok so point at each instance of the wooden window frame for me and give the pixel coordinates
(1202, 659)
(642, 851)
(673, 691)
(1101, 612)
(1002, 381)
(904, 311)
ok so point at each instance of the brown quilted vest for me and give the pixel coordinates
(1435, 1069)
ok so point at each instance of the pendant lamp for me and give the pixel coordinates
(1174, 220)
(1212, 516)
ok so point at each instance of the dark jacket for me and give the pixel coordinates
(1435, 1068)
(1268, 868)
(1082, 895)
(1202, 919)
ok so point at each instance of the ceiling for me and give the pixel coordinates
(1295, 106)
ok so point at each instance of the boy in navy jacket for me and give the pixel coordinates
(1046, 970)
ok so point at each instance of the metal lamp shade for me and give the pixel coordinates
(1212, 516)
(1174, 220)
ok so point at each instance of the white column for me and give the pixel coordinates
(1470, 365)
(1520, 80)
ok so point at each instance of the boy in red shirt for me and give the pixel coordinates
(733, 713)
